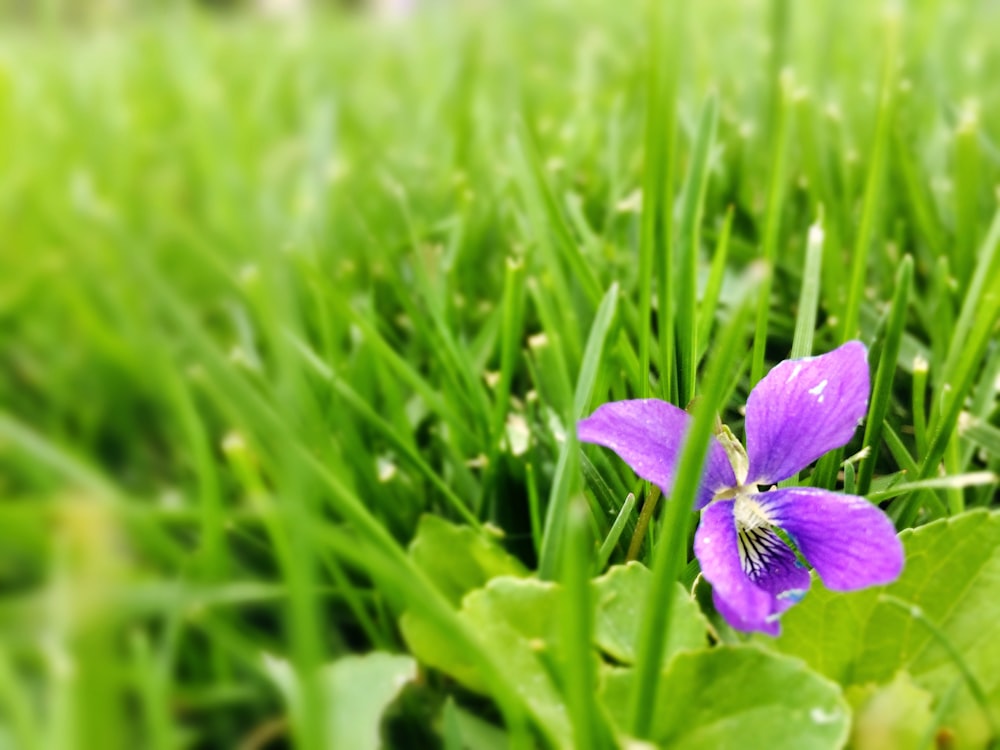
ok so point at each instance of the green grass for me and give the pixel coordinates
(271, 292)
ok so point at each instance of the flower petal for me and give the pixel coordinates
(849, 541)
(754, 575)
(804, 408)
(738, 619)
(772, 565)
(648, 435)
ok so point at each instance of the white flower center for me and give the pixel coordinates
(748, 512)
(759, 546)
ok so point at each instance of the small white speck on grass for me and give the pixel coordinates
(385, 469)
(234, 443)
(816, 234)
(538, 341)
(631, 743)
(478, 462)
(968, 119)
(555, 426)
(820, 715)
(861, 455)
(518, 434)
(631, 203)
(493, 530)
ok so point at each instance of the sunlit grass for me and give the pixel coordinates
(270, 292)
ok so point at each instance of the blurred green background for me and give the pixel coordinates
(253, 267)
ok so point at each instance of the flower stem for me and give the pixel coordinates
(642, 525)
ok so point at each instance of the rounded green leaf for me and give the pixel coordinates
(514, 617)
(459, 559)
(950, 592)
(621, 596)
(738, 697)
(356, 692)
(888, 716)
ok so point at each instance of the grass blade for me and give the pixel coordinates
(555, 515)
(668, 556)
(688, 242)
(882, 390)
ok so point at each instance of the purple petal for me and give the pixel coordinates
(754, 575)
(648, 435)
(849, 541)
(739, 620)
(804, 408)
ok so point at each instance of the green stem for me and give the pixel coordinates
(970, 679)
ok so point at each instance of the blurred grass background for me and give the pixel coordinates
(272, 287)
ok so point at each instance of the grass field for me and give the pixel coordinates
(297, 319)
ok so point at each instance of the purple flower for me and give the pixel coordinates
(800, 410)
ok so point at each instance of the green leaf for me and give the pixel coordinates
(514, 616)
(356, 692)
(737, 697)
(463, 729)
(952, 584)
(517, 617)
(621, 595)
(885, 716)
(457, 559)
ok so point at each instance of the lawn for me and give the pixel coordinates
(299, 319)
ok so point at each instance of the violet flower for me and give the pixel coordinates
(800, 410)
